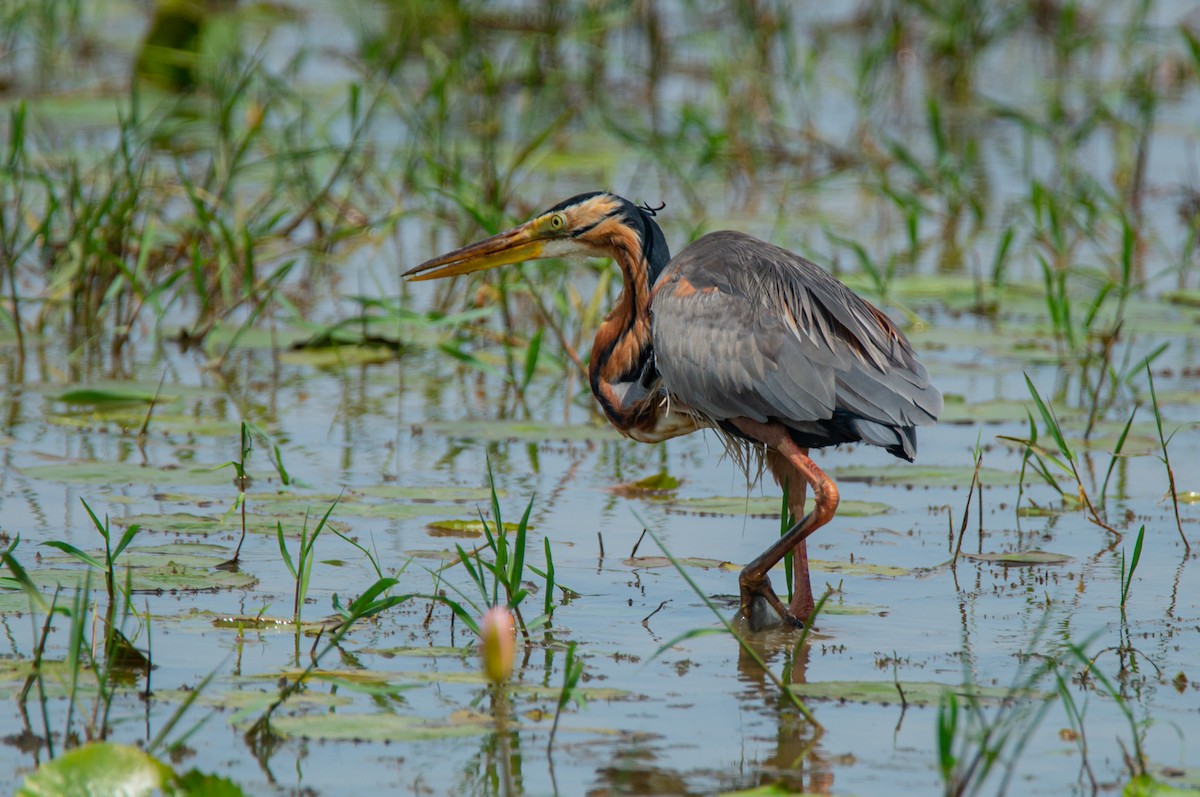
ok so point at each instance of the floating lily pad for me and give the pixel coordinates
(204, 525)
(123, 417)
(518, 430)
(331, 356)
(1021, 558)
(106, 473)
(916, 693)
(382, 727)
(112, 395)
(769, 790)
(926, 475)
(430, 493)
(469, 677)
(992, 411)
(422, 652)
(857, 568)
(254, 701)
(179, 566)
(1147, 786)
(650, 562)
(765, 506)
(467, 528)
(387, 510)
(658, 484)
(98, 768)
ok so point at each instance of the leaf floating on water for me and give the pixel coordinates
(916, 693)
(1021, 558)
(926, 475)
(380, 727)
(1146, 786)
(765, 506)
(205, 525)
(517, 430)
(429, 493)
(650, 562)
(658, 484)
(109, 396)
(107, 473)
(769, 790)
(98, 768)
(467, 528)
(195, 783)
(857, 568)
(991, 411)
(342, 355)
(177, 567)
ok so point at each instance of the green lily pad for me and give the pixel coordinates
(195, 783)
(518, 430)
(468, 677)
(926, 475)
(112, 395)
(107, 473)
(177, 423)
(467, 528)
(381, 727)
(857, 568)
(423, 652)
(205, 525)
(1147, 786)
(651, 562)
(1021, 558)
(658, 483)
(765, 506)
(429, 493)
(255, 701)
(335, 356)
(179, 566)
(916, 693)
(992, 411)
(96, 769)
(769, 790)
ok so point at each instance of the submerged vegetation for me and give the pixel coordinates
(205, 209)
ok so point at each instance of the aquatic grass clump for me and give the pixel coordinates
(500, 577)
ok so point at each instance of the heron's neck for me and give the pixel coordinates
(622, 364)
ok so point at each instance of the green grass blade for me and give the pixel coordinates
(75, 553)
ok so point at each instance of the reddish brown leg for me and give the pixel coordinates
(790, 464)
(795, 486)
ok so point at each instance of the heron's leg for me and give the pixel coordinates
(789, 462)
(795, 486)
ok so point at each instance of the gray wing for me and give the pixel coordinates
(743, 328)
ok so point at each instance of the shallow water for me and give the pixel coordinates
(407, 440)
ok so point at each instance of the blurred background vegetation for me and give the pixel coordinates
(170, 168)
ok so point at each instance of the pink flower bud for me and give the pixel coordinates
(497, 643)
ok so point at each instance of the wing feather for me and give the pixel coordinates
(743, 328)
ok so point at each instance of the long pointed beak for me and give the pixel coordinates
(511, 246)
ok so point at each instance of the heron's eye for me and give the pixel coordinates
(557, 222)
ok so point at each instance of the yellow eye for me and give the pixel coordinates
(557, 221)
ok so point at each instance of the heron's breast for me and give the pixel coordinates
(646, 416)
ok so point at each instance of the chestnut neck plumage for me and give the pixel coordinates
(622, 373)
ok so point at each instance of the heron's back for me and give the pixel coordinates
(743, 328)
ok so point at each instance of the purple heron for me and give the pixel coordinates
(740, 336)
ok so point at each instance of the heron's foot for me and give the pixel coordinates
(762, 608)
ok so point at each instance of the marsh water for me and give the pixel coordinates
(953, 575)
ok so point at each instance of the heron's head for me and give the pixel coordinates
(598, 224)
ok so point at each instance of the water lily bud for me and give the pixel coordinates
(497, 643)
